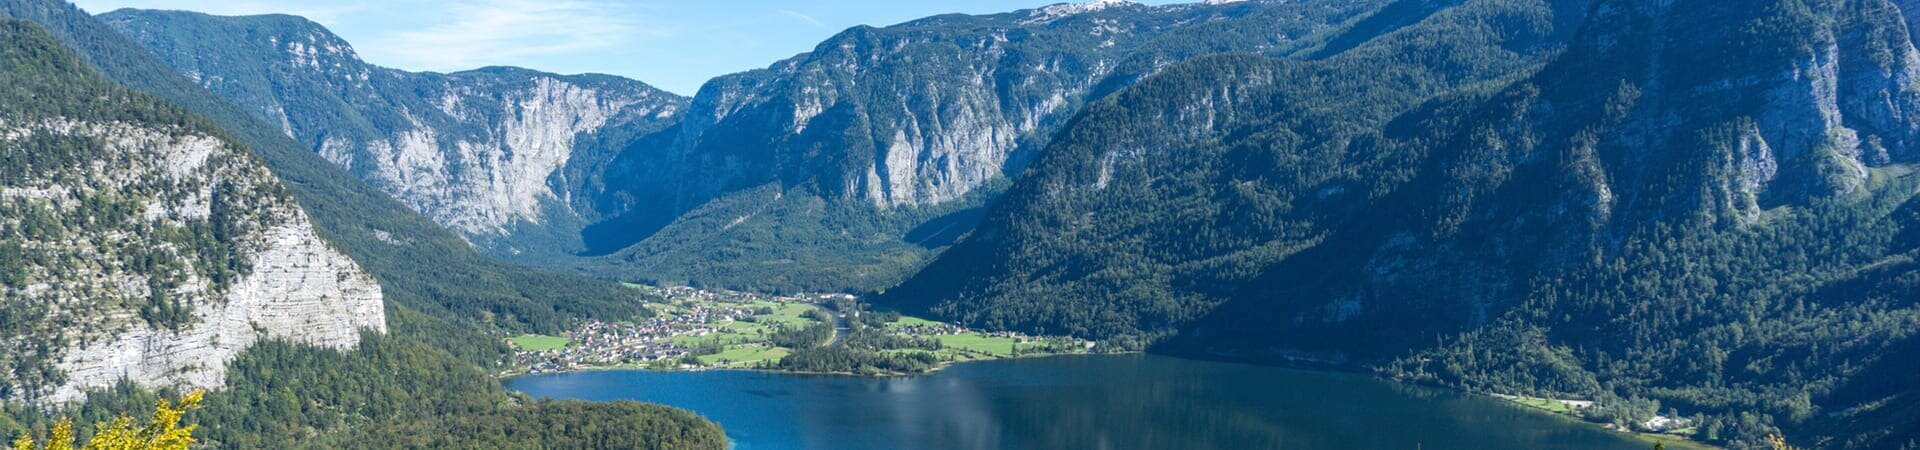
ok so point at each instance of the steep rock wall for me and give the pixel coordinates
(156, 254)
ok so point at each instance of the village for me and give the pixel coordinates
(705, 329)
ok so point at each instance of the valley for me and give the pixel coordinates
(695, 329)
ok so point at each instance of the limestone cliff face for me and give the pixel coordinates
(1752, 117)
(489, 155)
(479, 151)
(916, 114)
(301, 290)
(156, 254)
(1659, 115)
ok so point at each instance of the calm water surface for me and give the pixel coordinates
(1091, 402)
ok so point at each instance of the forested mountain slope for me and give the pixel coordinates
(424, 383)
(1696, 205)
(486, 152)
(1162, 200)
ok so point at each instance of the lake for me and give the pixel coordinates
(1084, 402)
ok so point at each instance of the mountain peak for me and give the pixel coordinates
(1062, 10)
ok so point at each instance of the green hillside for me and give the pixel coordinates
(1501, 196)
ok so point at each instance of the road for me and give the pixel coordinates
(839, 327)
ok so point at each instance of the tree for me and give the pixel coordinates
(1778, 442)
(162, 432)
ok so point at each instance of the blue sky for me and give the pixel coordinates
(673, 44)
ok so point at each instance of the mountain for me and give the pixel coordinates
(1155, 205)
(483, 152)
(838, 169)
(446, 288)
(1701, 206)
(425, 383)
(139, 243)
(846, 167)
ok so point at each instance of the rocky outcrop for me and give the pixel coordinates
(917, 114)
(480, 151)
(301, 290)
(1798, 112)
(480, 183)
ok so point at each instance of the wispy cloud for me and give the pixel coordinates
(803, 17)
(489, 32)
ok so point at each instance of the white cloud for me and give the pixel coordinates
(490, 32)
(803, 17)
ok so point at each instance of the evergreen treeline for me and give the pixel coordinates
(388, 393)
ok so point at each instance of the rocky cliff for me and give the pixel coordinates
(480, 152)
(140, 244)
(925, 112)
(300, 290)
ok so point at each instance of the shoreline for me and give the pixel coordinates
(1342, 365)
(1671, 441)
(503, 376)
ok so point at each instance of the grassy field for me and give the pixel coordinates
(743, 332)
(787, 314)
(538, 342)
(908, 321)
(744, 355)
(976, 342)
(1553, 406)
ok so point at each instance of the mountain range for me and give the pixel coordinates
(1702, 209)
(843, 168)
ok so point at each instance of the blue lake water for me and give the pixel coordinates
(1084, 402)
